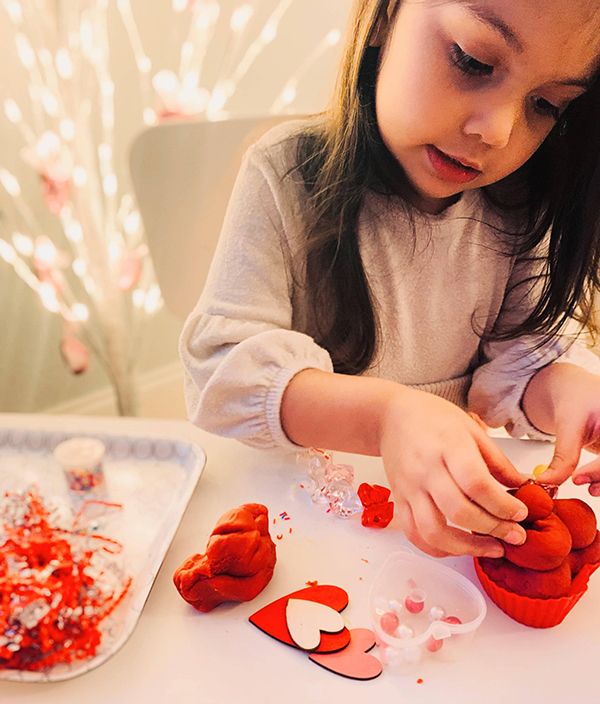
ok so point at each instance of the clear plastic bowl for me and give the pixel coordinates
(422, 632)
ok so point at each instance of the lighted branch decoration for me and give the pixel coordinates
(94, 268)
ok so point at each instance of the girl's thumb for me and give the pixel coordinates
(565, 459)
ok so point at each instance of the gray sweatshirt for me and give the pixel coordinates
(250, 332)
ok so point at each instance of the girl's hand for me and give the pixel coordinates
(574, 403)
(443, 467)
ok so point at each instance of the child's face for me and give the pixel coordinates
(452, 83)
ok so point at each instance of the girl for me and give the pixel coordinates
(429, 245)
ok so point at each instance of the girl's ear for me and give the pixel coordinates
(383, 22)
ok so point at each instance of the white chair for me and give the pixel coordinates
(183, 173)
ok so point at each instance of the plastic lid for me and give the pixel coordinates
(79, 452)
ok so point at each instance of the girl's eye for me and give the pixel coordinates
(467, 64)
(545, 108)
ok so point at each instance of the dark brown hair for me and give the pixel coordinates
(343, 156)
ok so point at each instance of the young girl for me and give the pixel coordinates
(428, 246)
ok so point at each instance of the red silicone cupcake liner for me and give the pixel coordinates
(538, 613)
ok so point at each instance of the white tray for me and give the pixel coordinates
(152, 478)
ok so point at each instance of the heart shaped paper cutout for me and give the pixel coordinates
(354, 661)
(306, 619)
(271, 619)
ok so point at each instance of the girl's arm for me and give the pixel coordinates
(439, 462)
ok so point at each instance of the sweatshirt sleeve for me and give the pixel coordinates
(499, 383)
(238, 347)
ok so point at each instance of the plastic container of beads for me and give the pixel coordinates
(81, 459)
(421, 609)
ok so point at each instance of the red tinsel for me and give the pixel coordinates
(56, 586)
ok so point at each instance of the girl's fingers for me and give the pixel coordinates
(569, 441)
(469, 471)
(405, 517)
(500, 467)
(588, 473)
(433, 529)
(594, 489)
(457, 509)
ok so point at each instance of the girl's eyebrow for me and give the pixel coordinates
(485, 14)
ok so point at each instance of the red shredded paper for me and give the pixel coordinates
(56, 586)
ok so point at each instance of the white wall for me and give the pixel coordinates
(32, 374)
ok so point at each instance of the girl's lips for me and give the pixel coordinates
(448, 169)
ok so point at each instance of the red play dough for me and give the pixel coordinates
(548, 544)
(272, 618)
(585, 556)
(238, 563)
(579, 518)
(354, 661)
(538, 501)
(536, 585)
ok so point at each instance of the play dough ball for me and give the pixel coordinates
(389, 622)
(415, 601)
(579, 518)
(540, 469)
(433, 644)
(454, 620)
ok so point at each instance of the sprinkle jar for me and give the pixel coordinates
(81, 460)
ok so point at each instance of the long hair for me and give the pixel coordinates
(343, 156)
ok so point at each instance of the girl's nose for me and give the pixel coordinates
(493, 124)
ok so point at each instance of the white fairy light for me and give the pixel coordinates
(12, 111)
(333, 38)
(80, 176)
(150, 116)
(152, 299)
(49, 102)
(90, 286)
(79, 267)
(10, 183)
(25, 51)
(187, 52)
(110, 184)
(107, 88)
(165, 81)
(23, 244)
(67, 129)
(15, 11)
(7, 252)
(86, 37)
(144, 64)
(132, 223)
(240, 17)
(289, 94)
(45, 252)
(48, 145)
(105, 152)
(80, 311)
(74, 232)
(180, 5)
(48, 295)
(138, 296)
(269, 32)
(64, 64)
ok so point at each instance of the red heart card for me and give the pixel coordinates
(272, 618)
(354, 661)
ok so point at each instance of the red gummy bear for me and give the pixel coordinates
(238, 564)
(370, 495)
(378, 511)
(378, 515)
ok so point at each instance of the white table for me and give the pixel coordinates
(177, 654)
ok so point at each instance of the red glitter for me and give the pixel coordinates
(280, 536)
(419, 681)
(290, 530)
(312, 584)
(363, 559)
(51, 606)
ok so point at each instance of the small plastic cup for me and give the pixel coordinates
(81, 460)
(446, 639)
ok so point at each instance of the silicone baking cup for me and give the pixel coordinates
(537, 613)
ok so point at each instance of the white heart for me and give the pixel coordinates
(306, 619)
